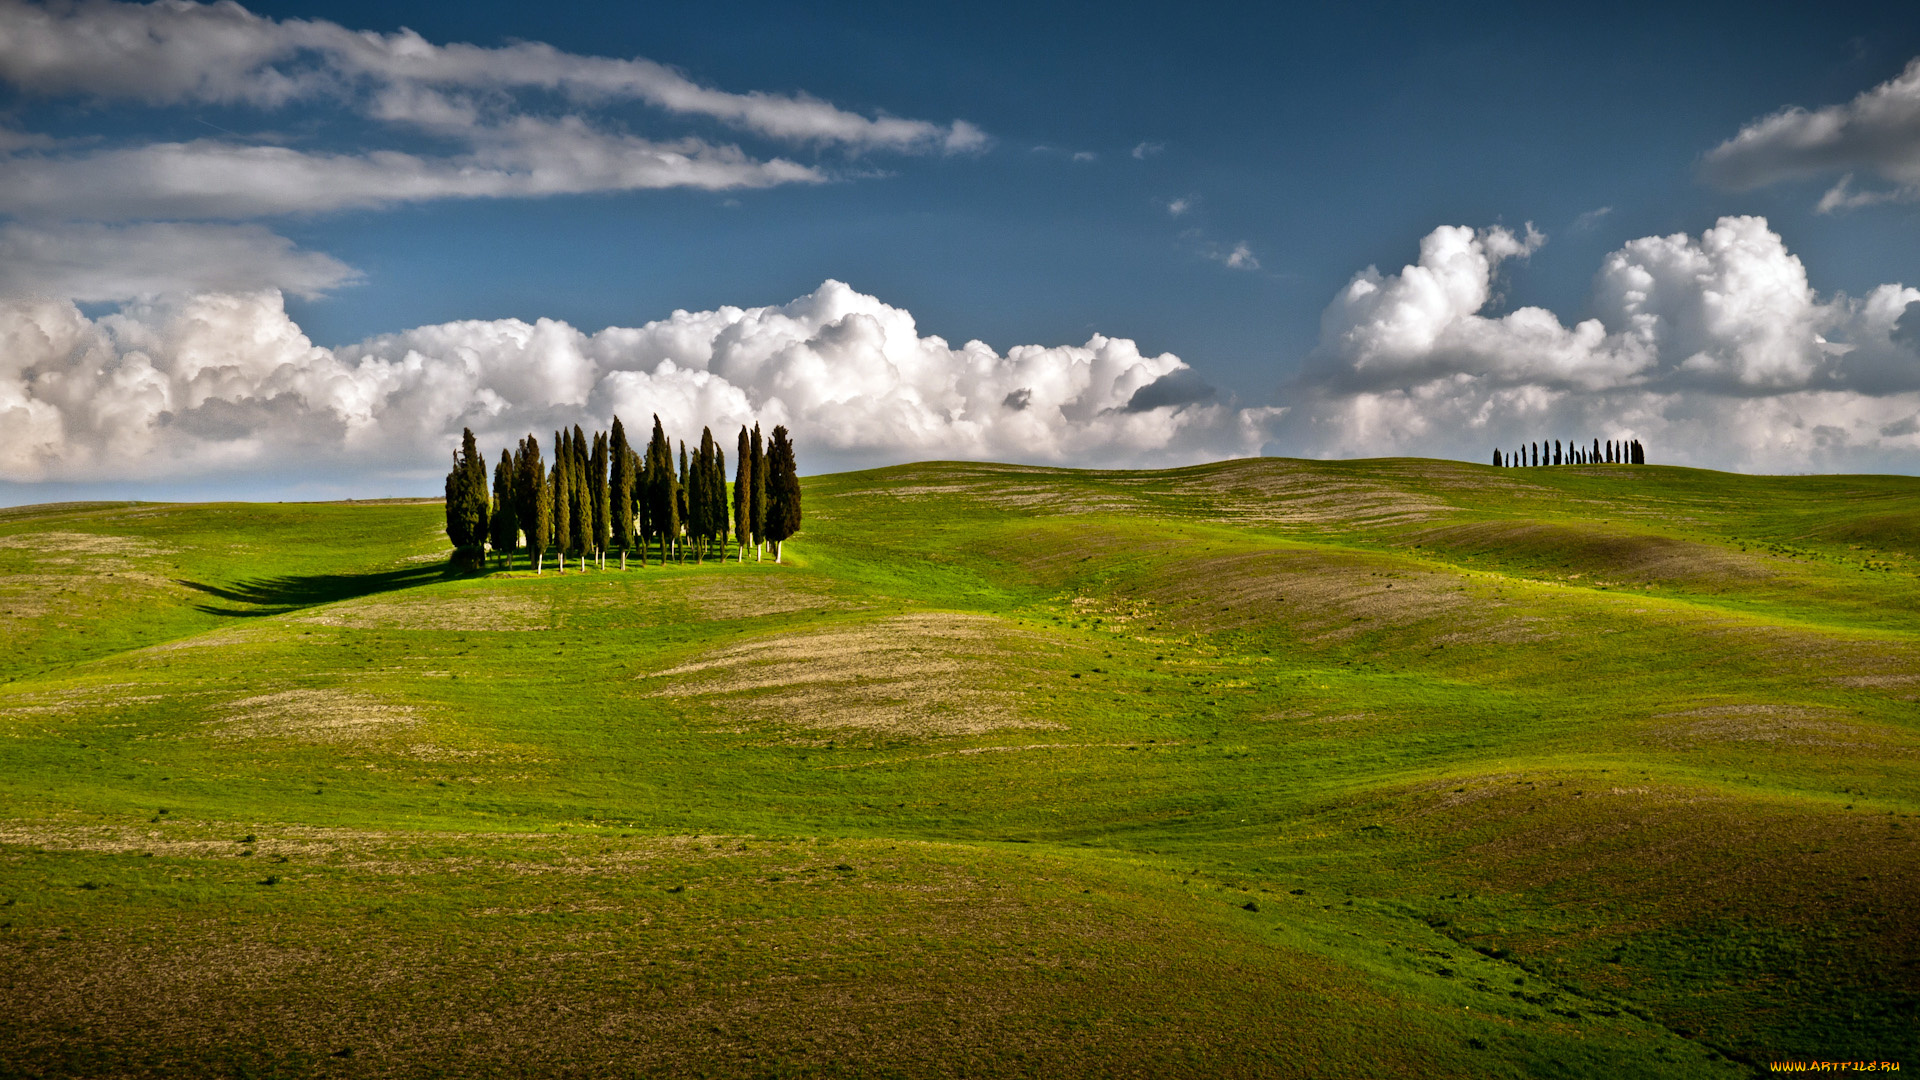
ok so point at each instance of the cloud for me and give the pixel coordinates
(1085, 155)
(1175, 388)
(1179, 206)
(184, 53)
(1145, 150)
(1238, 257)
(1715, 351)
(495, 108)
(211, 179)
(1586, 222)
(226, 383)
(94, 263)
(1878, 133)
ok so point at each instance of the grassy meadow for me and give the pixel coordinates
(1262, 768)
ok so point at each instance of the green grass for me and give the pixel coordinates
(1369, 768)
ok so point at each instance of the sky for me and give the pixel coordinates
(289, 250)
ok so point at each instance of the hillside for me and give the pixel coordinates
(1269, 767)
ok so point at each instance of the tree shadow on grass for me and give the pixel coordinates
(280, 595)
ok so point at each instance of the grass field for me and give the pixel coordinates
(1329, 769)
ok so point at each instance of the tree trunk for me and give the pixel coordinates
(538, 558)
(623, 560)
(776, 550)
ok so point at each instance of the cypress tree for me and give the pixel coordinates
(477, 485)
(506, 517)
(602, 499)
(536, 501)
(698, 527)
(709, 523)
(759, 451)
(743, 492)
(717, 491)
(663, 516)
(562, 499)
(467, 508)
(459, 526)
(680, 504)
(620, 491)
(582, 491)
(783, 496)
(523, 488)
(642, 508)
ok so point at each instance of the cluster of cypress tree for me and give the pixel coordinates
(602, 495)
(1622, 452)
(468, 512)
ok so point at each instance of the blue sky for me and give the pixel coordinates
(1202, 184)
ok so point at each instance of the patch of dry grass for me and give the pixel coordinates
(67, 546)
(471, 610)
(313, 715)
(1325, 597)
(1595, 551)
(922, 674)
(76, 699)
(1783, 725)
(1276, 491)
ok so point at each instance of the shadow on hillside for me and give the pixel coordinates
(279, 595)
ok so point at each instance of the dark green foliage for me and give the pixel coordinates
(582, 493)
(467, 499)
(602, 495)
(707, 493)
(783, 496)
(680, 502)
(535, 498)
(505, 525)
(699, 525)
(743, 491)
(717, 491)
(562, 498)
(759, 527)
(620, 489)
(636, 467)
(663, 498)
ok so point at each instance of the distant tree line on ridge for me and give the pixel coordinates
(601, 495)
(1626, 452)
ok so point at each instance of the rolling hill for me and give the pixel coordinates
(1266, 767)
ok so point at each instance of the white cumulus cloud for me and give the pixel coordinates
(1714, 350)
(227, 383)
(1878, 132)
